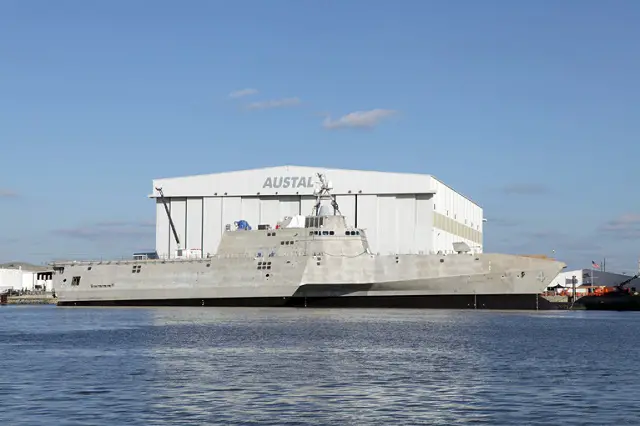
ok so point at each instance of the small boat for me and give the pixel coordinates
(620, 299)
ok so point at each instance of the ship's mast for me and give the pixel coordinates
(322, 190)
(166, 208)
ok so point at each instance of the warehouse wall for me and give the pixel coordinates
(193, 232)
(583, 276)
(212, 225)
(393, 223)
(179, 216)
(291, 180)
(18, 279)
(456, 218)
(163, 231)
(401, 222)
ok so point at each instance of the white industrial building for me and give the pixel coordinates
(591, 277)
(25, 277)
(400, 212)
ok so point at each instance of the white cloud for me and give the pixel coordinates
(275, 103)
(243, 92)
(362, 119)
(526, 189)
(625, 226)
(7, 193)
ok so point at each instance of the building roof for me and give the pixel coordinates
(293, 180)
(25, 266)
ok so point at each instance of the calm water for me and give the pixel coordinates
(115, 366)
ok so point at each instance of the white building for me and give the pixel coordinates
(25, 277)
(591, 277)
(401, 213)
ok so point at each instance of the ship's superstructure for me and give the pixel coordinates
(313, 260)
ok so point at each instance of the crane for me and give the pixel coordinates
(173, 227)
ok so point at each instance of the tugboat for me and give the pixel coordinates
(620, 299)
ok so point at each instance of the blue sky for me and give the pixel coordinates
(530, 108)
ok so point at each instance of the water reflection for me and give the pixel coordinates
(292, 366)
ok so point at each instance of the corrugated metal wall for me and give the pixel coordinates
(393, 223)
(211, 225)
(455, 218)
(193, 238)
(162, 229)
(179, 216)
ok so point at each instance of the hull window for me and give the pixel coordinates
(75, 281)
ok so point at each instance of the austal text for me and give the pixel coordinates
(288, 182)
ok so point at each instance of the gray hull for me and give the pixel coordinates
(289, 281)
(324, 263)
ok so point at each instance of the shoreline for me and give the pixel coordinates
(32, 300)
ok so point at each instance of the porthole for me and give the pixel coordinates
(331, 233)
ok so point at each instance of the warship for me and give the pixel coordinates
(316, 260)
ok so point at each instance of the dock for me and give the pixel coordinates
(38, 299)
(564, 302)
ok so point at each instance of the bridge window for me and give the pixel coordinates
(313, 222)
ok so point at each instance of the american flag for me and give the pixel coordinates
(595, 265)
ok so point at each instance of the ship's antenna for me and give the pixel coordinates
(166, 208)
(322, 190)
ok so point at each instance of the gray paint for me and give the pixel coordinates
(313, 265)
